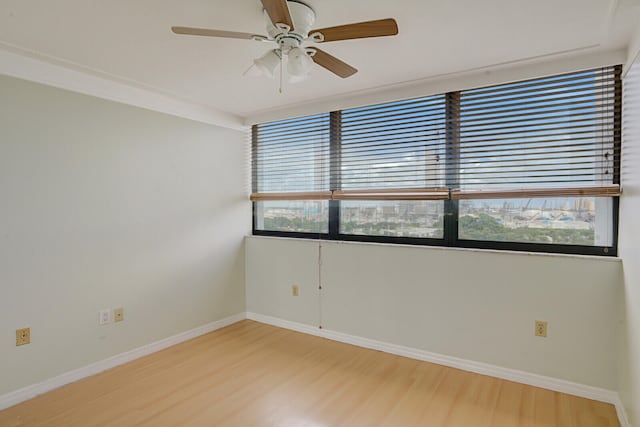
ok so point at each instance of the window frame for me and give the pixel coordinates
(451, 206)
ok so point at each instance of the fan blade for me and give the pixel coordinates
(215, 33)
(278, 12)
(360, 30)
(333, 64)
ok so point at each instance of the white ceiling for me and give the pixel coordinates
(131, 40)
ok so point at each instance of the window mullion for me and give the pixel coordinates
(452, 166)
(254, 176)
(335, 125)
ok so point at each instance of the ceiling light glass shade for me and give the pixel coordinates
(252, 71)
(267, 63)
(299, 63)
(298, 79)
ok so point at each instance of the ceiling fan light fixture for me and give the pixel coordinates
(267, 63)
(289, 24)
(298, 62)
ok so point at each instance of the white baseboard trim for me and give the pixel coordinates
(622, 413)
(31, 391)
(549, 383)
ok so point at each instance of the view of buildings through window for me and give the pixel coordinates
(558, 220)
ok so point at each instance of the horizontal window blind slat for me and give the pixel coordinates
(294, 156)
(515, 135)
(413, 124)
(397, 105)
(318, 195)
(298, 139)
(393, 147)
(350, 146)
(603, 191)
(549, 138)
(610, 102)
(535, 104)
(533, 145)
(393, 194)
(585, 112)
(426, 111)
(606, 73)
(295, 130)
(548, 95)
(263, 127)
(600, 85)
(598, 123)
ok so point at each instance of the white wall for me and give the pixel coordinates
(629, 245)
(477, 305)
(104, 205)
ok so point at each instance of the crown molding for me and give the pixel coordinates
(39, 68)
(633, 52)
(582, 58)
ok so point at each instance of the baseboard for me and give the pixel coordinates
(31, 391)
(549, 383)
(555, 384)
(622, 413)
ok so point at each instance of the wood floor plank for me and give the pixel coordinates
(251, 374)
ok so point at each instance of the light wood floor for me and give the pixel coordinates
(250, 374)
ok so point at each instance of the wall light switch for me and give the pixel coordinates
(295, 291)
(105, 317)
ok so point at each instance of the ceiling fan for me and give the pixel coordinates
(289, 24)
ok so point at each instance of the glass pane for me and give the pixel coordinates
(397, 218)
(311, 216)
(565, 220)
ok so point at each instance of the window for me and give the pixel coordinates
(530, 165)
(291, 175)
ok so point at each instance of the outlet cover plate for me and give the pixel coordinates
(541, 328)
(23, 336)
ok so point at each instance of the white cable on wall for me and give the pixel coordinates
(320, 284)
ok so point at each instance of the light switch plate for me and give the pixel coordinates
(105, 317)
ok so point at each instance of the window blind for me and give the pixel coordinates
(393, 151)
(554, 136)
(291, 159)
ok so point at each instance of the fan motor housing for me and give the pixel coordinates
(303, 18)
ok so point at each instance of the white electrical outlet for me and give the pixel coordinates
(105, 317)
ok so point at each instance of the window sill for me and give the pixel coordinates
(443, 248)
